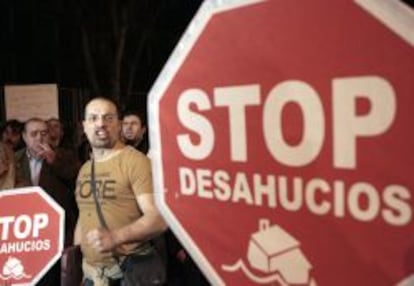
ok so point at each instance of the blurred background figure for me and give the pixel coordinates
(11, 134)
(61, 134)
(134, 130)
(56, 132)
(7, 168)
(83, 147)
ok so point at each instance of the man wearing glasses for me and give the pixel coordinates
(120, 177)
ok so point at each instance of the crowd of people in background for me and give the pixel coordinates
(49, 153)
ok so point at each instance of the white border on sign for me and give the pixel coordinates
(398, 18)
(57, 208)
(396, 15)
(207, 10)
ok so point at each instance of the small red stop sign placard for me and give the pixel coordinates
(31, 235)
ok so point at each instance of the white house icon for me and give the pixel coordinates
(272, 249)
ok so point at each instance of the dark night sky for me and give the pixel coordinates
(41, 40)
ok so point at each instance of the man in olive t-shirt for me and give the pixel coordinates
(124, 189)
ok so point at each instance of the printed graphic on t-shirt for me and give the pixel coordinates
(105, 188)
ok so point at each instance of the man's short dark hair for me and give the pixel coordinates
(15, 126)
(30, 120)
(141, 114)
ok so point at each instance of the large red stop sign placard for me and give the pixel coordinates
(282, 143)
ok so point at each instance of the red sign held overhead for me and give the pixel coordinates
(282, 142)
(31, 235)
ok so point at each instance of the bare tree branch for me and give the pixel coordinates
(89, 62)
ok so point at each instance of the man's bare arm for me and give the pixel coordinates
(149, 225)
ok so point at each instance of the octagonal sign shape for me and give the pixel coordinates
(282, 143)
(31, 235)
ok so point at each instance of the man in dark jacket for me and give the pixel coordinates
(54, 170)
(134, 130)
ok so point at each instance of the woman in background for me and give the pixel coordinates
(7, 168)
